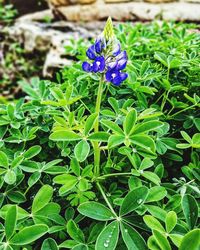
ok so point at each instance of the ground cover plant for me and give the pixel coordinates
(107, 156)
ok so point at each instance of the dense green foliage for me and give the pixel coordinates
(145, 193)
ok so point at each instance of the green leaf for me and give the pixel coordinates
(3, 160)
(147, 126)
(191, 239)
(10, 177)
(196, 140)
(57, 93)
(63, 135)
(115, 140)
(42, 198)
(11, 111)
(16, 196)
(68, 244)
(10, 221)
(146, 163)
(156, 193)
(161, 240)
(49, 244)
(176, 239)
(82, 150)
(144, 141)
(171, 220)
(130, 121)
(95, 211)
(33, 178)
(29, 234)
(75, 166)
(99, 136)
(133, 200)
(144, 68)
(108, 238)
(95, 231)
(31, 152)
(113, 126)
(190, 210)
(152, 177)
(132, 238)
(17, 161)
(83, 184)
(64, 179)
(89, 124)
(186, 137)
(152, 244)
(157, 212)
(153, 223)
(74, 231)
(161, 57)
(80, 247)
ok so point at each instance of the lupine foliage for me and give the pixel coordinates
(143, 191)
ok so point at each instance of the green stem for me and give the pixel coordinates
(182, 110)
(96, 128)
(114, 174)
(164, 100)
(106, 199)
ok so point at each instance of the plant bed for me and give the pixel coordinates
(106, 156)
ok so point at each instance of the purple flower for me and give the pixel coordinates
(116, 50)
(116, 77)
(91, 52)
(107, 58)
(121, 64)
(86, 67)
(99, 45)
(99, 64)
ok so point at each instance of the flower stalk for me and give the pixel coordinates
(97, 150)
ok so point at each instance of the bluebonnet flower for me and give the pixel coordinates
(107, 58)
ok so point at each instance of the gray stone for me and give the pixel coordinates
(50, 38)
(131, 11)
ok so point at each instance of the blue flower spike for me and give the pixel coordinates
(106, 57)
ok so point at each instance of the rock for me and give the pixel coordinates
(159, 1)
(59, 2)
(131, 11)
(117, 1)
(86, 1)
(37, 16)
(50, 39)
